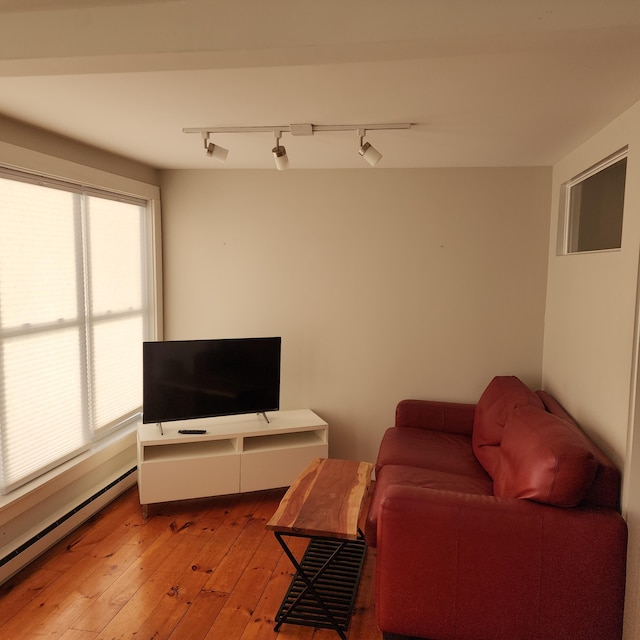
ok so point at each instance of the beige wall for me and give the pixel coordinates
(591, 303)
(383, 284)
(590, 353)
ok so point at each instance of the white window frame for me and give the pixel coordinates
(567, 227)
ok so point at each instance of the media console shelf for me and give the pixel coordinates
(236, 454)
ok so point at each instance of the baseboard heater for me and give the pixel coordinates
(60, 522)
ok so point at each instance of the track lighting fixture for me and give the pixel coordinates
(365, 149)
(280, 154)
(214, 151)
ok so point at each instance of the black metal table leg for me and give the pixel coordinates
(323, 589)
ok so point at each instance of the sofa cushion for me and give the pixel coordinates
(391, 475)
(605, 490)
(543, 458)
(452, 417)
(417, 447)
(499, 399)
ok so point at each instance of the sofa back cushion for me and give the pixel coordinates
(502, 396)
(605, 490)
(543, 458)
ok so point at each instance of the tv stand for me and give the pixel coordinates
(237, 454)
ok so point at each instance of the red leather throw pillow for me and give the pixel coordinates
(498, 400)
(543, 458)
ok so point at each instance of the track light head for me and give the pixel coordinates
(280, 157)
(370, 154)
(279, 153)
(367, 151)
(216, 152)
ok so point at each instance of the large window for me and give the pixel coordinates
(73, 315)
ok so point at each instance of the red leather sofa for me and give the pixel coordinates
(496, 521)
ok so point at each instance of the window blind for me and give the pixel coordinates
(72, 320)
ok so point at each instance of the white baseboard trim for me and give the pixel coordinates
(55, 531)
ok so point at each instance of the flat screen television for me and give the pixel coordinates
(186, 379)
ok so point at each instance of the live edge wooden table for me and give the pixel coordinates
(324, 505)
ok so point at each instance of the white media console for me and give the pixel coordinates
(235, 455)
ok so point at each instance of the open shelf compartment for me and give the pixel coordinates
(186, 450)
(269, 442)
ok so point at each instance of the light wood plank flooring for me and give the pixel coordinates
(194, 570)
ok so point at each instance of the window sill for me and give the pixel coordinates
(38, 490)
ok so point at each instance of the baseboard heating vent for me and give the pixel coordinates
(49, 530)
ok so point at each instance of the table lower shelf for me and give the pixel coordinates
(336, 585)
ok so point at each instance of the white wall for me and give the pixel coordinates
(384, 284)
(590, 332)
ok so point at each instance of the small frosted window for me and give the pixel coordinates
(593, 207)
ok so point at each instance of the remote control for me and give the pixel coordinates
(192, 431)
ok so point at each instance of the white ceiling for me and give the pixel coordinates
(485, 82)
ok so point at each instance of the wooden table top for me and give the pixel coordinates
(325, 500)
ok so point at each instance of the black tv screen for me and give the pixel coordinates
(186, 379)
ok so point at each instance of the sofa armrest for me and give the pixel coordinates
(469, 566)
(453, 417)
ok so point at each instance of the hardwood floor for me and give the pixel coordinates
(194, 570)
